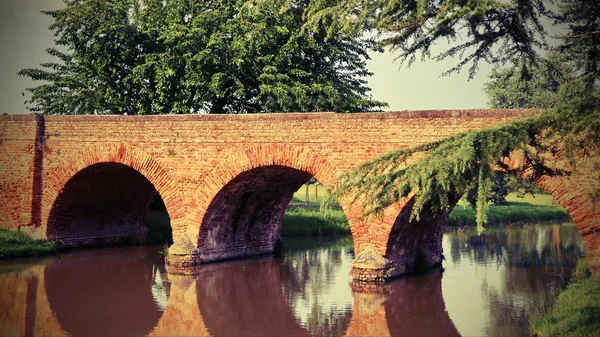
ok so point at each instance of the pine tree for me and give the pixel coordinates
(550, 81)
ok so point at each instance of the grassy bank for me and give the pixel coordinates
(307, 221)
(532, 209)
(575, 311)
(17, 244)
(513, 213)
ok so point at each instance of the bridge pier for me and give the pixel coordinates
(182, 256)
(370, 267)
(410, 246)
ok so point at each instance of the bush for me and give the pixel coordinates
(581, 271)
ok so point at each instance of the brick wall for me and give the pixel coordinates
(17, 163)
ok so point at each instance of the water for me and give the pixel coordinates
(490, 286)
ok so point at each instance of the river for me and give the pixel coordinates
(489, 286)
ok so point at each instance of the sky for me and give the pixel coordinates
(24, 37)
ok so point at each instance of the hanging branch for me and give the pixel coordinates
(450, 167)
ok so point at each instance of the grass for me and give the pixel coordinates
(309, 221)
(513, 213)
(531, 209)
(575, 311)
(17, 244)
(535, 199)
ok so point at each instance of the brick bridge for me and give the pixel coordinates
(226, 180)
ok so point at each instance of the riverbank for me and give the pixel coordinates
(17, 244)
(518, 211)
(511, 214)
(575, 310)
(301, 220)
(312, 221)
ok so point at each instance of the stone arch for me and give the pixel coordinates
(56, 178)
(259, 157)
(412, 245)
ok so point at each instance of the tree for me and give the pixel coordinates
(311, 181)
(493, 31)
(581, 45)
(498, 32)
(185, 56)
(550, 81)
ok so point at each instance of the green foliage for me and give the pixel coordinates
(581, 45)
(492, 31)
(18, 244)
(454, 165)
(450, 168)
(497, 193)
(581, 271)
(184, 56)
(551, 80)
(523, 187)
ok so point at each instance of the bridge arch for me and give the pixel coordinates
(415, 245)
(230, 197)
(122, 159)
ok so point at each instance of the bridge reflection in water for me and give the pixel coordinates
(305, 292)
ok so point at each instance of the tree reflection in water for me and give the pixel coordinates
(534, 246)
(315, 284)
(535, 262)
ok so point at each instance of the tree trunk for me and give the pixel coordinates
(306, 197)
